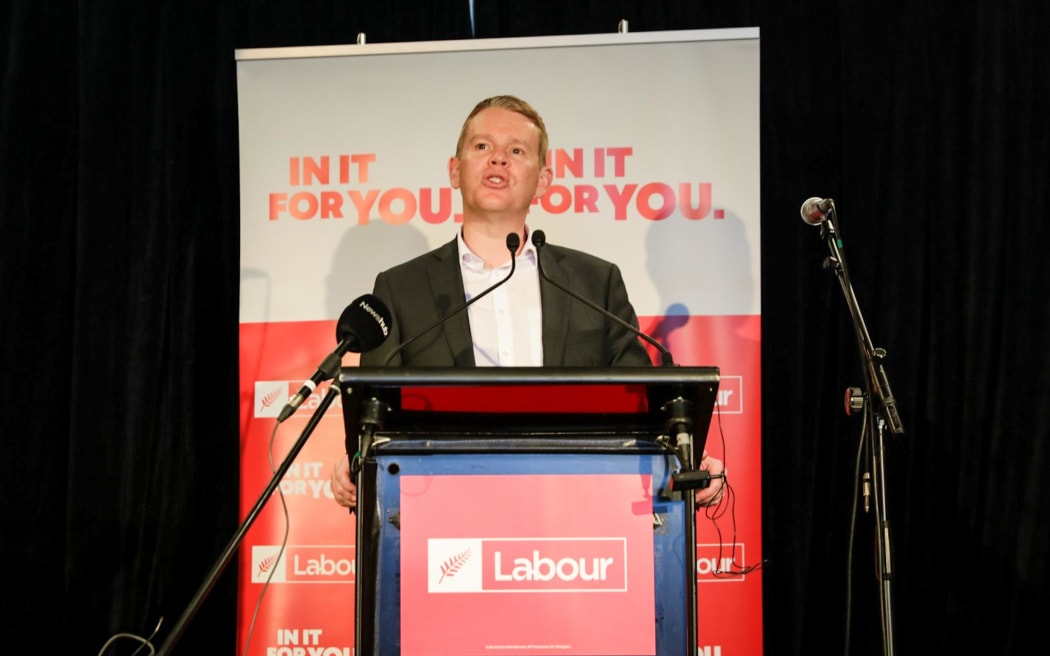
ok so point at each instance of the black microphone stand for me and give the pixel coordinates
(882, 413)
(238, 537)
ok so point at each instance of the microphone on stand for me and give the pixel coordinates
(513, 243)
(815, 210)
(362, 326)
(539, 240)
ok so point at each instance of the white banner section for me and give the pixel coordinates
(654, 144)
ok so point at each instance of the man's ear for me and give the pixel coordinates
(546, 178)
(453, 172)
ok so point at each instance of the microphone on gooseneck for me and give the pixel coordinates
(539, 240)
(513, 243)
(362, 326)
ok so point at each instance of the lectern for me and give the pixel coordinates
(526, 510)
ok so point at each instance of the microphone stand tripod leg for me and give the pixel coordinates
(882, 538)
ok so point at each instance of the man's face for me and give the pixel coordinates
(498, 170)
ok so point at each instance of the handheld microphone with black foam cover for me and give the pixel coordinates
(815, 210)
(513, 243)
(362, 326)
(539, 240)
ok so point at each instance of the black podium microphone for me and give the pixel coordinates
(513, 243)
(362, 326)
(539, 240)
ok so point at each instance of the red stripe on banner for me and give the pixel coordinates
(310, 600)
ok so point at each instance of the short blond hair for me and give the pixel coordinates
(514, 104)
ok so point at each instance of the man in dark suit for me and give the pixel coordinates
(422, 291)
(500, 168)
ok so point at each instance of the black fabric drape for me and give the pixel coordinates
(119, 261)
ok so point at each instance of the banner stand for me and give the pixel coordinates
(347, 176)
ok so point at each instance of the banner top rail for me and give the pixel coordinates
(410, 47)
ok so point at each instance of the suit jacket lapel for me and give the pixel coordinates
(555, 305)
(446, 284)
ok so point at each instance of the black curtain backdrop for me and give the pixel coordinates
(926, 121)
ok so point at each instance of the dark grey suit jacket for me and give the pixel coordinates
(423, 290)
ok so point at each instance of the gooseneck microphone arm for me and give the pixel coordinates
(513, 243)
(539, 240)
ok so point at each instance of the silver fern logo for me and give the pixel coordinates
(270, 396)
(453, 565)
(267, 564)
(268, 400)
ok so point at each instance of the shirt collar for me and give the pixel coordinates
(471, 262)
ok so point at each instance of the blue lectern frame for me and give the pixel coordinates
(390, 441)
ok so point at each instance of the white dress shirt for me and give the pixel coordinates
(506, 324)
